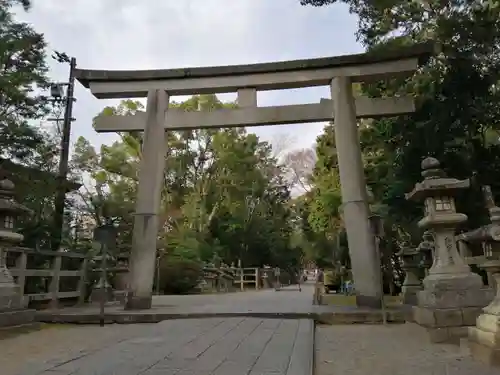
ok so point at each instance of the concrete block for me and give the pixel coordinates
(424, 316)
(9, 302)
(453, 281)
(448, 335)
(447, 299)
(448, 317)
(16, 317)
(478, 298)
(470, 314)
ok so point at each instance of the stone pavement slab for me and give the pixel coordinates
(231, 346)
(402, 349)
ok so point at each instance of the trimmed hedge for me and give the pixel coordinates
(179, 275)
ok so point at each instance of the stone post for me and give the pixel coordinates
(143, 254)
(362, 249)
(412, 284)
(452, 293)
(484, 338)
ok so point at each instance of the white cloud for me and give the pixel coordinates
(131, 34)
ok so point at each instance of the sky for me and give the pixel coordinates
(153, 34)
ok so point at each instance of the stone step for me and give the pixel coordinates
(16, 317)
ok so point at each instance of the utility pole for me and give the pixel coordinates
(60, 199)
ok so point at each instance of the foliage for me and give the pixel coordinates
(179, 275)
(224, 194)
(22, 70)
(457, 116)
(29, 154)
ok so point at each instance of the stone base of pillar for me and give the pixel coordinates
(447, 313)
(484, 339)
(13, 315)
(138, 303)
(10, 297)
(100, 294)
(120, 296)
(368, 301)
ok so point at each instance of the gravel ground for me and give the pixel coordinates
(402, 349)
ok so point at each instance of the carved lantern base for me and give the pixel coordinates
(10, 294)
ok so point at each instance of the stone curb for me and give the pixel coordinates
(7, 332)
(332, 318)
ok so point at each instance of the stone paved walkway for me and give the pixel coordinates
(232, 346)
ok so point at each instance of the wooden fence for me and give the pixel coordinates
(53, 279)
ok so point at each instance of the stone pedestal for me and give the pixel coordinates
(484, 338)
(447, 314)
(102, 291)
(10, 294)
(12, 311)
(412, 284)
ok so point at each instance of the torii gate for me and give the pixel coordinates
(337, 72)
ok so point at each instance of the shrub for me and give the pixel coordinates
(179, 275)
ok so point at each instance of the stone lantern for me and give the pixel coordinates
(452, 293)
(10, 295)
(410, 265)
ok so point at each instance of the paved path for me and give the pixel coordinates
(268, 300)
(231, 346)
(216, 346)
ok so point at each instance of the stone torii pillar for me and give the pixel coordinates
(362, 248)
(145, 234)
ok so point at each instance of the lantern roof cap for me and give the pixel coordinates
(435, 182)
(7, 202)
(6, 188)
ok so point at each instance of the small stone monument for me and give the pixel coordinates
(12, 311)
(102, 290)
(484, 338)
(412, 284)
(452, 293)
(105, 235)
(426, 250)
